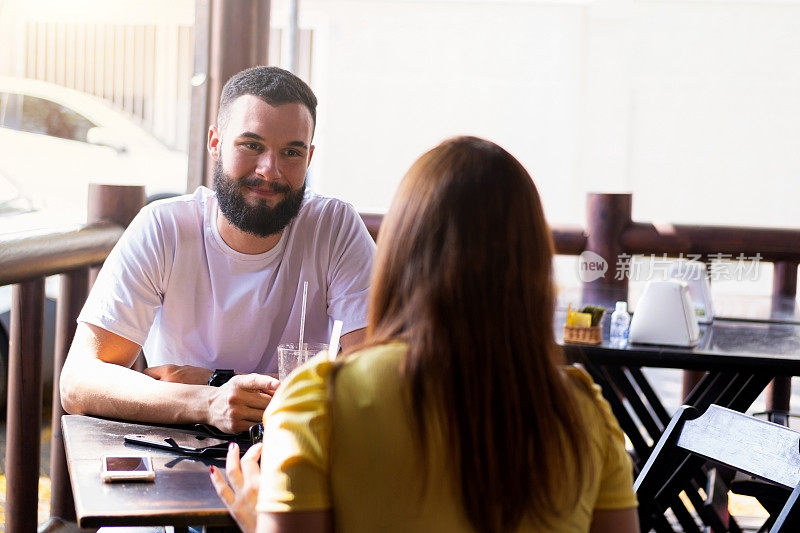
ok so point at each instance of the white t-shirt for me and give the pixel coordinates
(172, 285)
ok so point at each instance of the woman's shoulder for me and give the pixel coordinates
(371, 370)
(578, 376)
(374, 357)
(589, 396)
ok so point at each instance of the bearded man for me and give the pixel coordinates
(209, 284)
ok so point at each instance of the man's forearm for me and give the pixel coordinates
(90, 386)
(97, 388)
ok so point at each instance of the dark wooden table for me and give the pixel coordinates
(740, 357)
(182, 494)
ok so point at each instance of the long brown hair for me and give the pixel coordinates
(463, 275)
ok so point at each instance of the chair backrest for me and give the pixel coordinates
(678, 463)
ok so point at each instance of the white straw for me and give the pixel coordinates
(333, 345)
(303, 315)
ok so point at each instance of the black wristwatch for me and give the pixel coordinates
(220, 377)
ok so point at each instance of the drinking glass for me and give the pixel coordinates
(290, 356)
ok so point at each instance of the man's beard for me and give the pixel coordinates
(260, 219)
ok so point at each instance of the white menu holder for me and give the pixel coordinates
(665, 315)
(695, 275)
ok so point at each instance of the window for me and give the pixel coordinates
(37, 115)
(43, 116)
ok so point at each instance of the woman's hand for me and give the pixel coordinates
(240, 491)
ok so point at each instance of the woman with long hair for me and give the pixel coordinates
(458, 413)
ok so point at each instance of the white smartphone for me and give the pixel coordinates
(127, 468)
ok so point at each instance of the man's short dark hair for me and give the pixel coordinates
(273, 85)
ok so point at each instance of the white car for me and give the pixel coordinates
(54, 141)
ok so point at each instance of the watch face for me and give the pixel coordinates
(220, 377)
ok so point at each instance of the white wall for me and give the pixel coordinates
(693, 105)
(715, 106)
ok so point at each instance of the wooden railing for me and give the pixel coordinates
(611, 233)
(25, 261)
(73, 252)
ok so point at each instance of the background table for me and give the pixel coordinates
(182, 494)
(740, 357)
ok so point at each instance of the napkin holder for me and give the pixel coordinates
(665, 315)
(695, 275)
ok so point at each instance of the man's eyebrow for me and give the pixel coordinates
(256, 136)
(251, 135)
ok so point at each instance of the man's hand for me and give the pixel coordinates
(240, 490)
(240, 403)
(192, 375)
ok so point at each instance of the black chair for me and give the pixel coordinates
(699, 453)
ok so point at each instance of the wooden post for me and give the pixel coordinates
(115, 203)
(233, 35)
(73, 289)
(784, 278)
(784, 283)
(23, 430)
(607, 216)
(692, 377)
(198, 118)
(606, 219)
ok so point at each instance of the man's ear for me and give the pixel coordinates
(310, 154)
(213, 142)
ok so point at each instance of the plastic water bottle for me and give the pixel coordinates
(620, 321)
